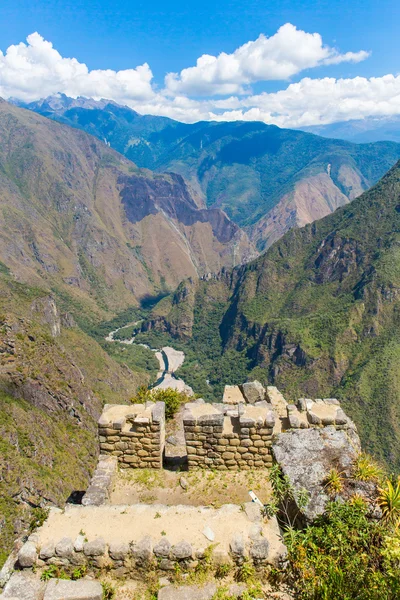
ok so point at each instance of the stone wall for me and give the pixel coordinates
(326, 412)
(102, 481)
(229, 437)
(134, 434)
(240, 533)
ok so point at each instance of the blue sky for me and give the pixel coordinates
(169, 37)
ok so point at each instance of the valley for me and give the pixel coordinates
(248, 252)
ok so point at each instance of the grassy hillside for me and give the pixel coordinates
(318, 315)
(54, 380)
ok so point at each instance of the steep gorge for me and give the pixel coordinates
(317, 315)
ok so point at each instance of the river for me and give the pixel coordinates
(169, 360)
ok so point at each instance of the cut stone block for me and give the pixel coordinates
(24, 586)
(60, 589)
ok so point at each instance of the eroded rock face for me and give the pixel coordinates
(307, 455)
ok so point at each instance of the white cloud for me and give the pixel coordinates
(319, 101)
(36, 69)
(288, 52)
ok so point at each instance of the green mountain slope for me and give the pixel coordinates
(267, 179)
(318, 315)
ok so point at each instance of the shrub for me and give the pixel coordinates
(342, 555)
(366, 469)
(334, 481)
(172, 398)
(389, 501)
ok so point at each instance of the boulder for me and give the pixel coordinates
(259, 550)
(47, 551)
(307, 455)
(142, 551)
(119, 550)
(237, 546)
(163, 548)
(95, 548)
(27, 556)
(60, 589)
(65, 548)
(253, 392)
(182, 550)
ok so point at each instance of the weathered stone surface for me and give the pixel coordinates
(182, 550)
(119, 550)
(47, 551)
(207, 592)
(259, 550)
(79, 543)
(237, 546)
(307, 455)
(142, 551)
(253, 511)
(27, 555)
(253, 392)
(163, 548)
(24, 586)
(60, 589)
(64, 548)
(95, 548)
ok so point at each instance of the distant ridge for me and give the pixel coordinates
(266, 179)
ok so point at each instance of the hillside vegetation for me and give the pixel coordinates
(54, 380)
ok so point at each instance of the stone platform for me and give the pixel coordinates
(126, 539)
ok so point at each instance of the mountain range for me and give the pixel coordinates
(84, 220)
(318, 315)
(266, 179)
(361, 130)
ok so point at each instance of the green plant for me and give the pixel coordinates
(334, 481)
(108, 591)
(342, 556)
(389, 501)
(245, 572)
(173, 399)
(222, 593)
(287, 503)
(223, 570)
(79, 572)
(366, 468)
(53, 572)
(39, 515)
